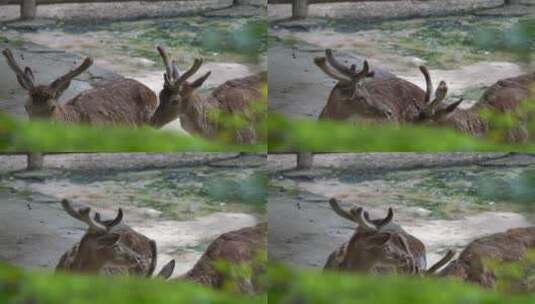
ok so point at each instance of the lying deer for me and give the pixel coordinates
(508, 246)
(179, 99)
(360, 96)
(120, 102)
(379, 246)
(109, 247)
(235, 247)
(504, 96)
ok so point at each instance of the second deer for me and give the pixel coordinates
(199, 114)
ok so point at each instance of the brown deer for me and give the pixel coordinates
(109, 247)
(379, 246)
(504, 96)
(199, 114)
(235, 247)
(121, 102)
(508, 246)
(359, 96)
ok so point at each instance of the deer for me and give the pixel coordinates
(199, 115)
(122, 102)
(109, 247)
(379, 246)
(508, 246)
(235, 247)
(506, 95)
(359, 96)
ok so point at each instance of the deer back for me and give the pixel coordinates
(508, 246)
(235, 247)
(507, 94)
(120, 102)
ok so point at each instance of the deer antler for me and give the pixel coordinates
(25, 78)
(172, 73)
(322, 64)
(82, 214)
(349, 72)
(65, 79)
(169, 72)
(358, 215)
(428, 84)
(341, 212)
(110, 223)
(192, 70)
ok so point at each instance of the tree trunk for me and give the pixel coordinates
(304, 160)
(28, 9)
(35, 161)
(299, 9)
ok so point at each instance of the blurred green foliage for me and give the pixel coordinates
(329, 136)
(288, 286)
(17, 287)
(46, 136)
(514, 277)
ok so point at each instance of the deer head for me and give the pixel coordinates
(102, 243)
(435, 110)
(372, 248)
(43, 99)
(178, 93)
(349, 95)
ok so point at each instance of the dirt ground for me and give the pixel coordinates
(445, 200)
(178, 202)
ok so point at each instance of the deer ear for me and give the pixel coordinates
(59, 91)
(167, 270)
(108, 239)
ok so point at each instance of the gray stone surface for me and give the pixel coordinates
(385, 9)
(513, 10)
(108, 161)
(118, 10)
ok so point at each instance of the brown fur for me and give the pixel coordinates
(118, 250)
(179, 99)
(235, 247)
(388, 248)
(121, 102)
(508, 246)
(363, 98)
(504, 96)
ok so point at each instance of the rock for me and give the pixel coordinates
(419, 211)
(152, 213)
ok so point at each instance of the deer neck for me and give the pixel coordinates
(67, 114)
(195, 117)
